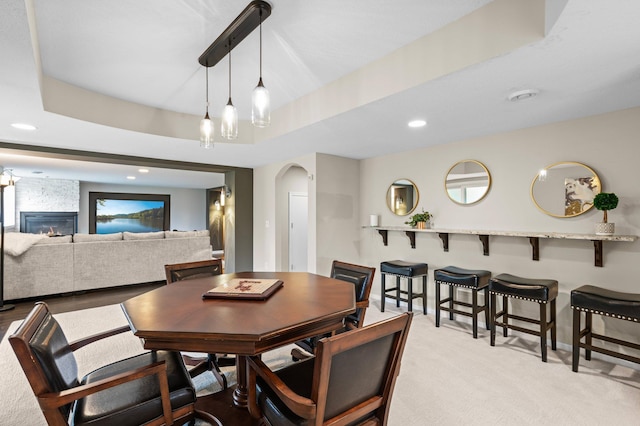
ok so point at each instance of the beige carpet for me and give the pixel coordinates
(447, 377)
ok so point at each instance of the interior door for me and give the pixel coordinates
(298, 231)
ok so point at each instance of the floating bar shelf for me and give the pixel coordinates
(534, 238)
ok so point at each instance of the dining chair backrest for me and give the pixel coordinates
(363, 366)
(190, 270)
(362, 279)
(349, 381)
(45, 355)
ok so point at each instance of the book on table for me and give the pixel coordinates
(245, 288)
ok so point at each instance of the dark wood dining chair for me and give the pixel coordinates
(362, 279)
(152, 388)
(189, 270)
(212, 362)
(349, 381)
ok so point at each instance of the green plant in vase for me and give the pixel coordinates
(605, 201)
(419, 220)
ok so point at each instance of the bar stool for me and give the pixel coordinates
(541, 291)
(408, 270)
(596, 300)
(467, 278)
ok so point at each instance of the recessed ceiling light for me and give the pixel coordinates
(143, 170)
(417, 123)
(37, 172)
(521, 95)
(23, 126)
(131, 177)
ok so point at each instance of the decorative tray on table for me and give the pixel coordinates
(245, 288)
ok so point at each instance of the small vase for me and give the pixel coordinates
(603, 228)
(422, 225)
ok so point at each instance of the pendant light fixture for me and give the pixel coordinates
(206, 124)
(260, 101)
(247, 21)
(229, 126)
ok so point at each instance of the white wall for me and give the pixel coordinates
(334, 229)
(188, 206)
(606, 143)
(338, 211)
(268, 213)
(348, 191)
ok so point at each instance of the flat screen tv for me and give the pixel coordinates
(111, 212)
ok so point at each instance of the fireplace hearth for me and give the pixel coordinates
(50, 223)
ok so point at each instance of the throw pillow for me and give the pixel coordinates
(88, 238)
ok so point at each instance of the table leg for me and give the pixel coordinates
(240, 393)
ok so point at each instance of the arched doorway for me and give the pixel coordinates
(292, 232)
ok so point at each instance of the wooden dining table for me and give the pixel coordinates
(177, 317)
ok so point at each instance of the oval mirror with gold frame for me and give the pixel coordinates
(402, 197)
(565, 189)
(467, 182)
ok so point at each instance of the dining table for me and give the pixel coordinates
(178, 316)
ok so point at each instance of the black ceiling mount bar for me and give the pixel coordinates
(242, 26)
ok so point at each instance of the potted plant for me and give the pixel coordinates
(605, 201)
(419, 220)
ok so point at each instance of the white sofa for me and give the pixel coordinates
(53, 265)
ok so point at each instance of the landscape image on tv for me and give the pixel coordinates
(128, 215)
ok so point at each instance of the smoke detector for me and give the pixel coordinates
(521, 95)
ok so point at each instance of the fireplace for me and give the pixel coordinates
(51, 223)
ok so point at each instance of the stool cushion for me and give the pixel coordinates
(541, 290)
(406, 269)
(601, 300)
(476, 278)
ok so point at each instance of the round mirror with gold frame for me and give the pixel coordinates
(565, 189)
(402, 197)
(467, 182)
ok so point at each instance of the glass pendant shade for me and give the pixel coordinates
(260, 106)
(206, 124)
(229, 125)
(206, 132)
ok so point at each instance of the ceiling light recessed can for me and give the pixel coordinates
(23, 126)
(143, 170)
(417, 123)
(521, 95)
(131, 177)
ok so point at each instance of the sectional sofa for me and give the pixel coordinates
(40, 265)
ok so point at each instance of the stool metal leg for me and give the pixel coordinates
(424, 294)
(397, 291)
(452, 293)
(543, 331)
(576, 340)
(474, 319)
(505, 315)
(437, 304)
(384, 293)
(588, 324)
(492, 319)
(410, 294)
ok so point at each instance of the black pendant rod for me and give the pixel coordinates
(248, 20)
